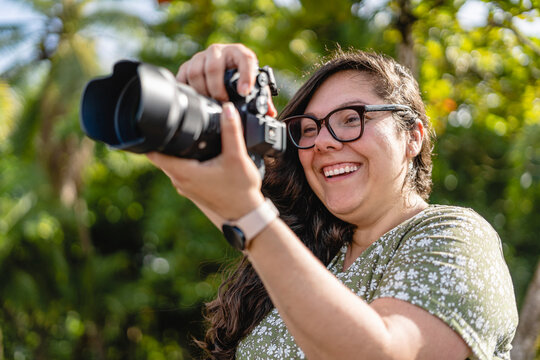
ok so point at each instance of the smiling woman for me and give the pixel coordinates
(358, 264)
(381, 156)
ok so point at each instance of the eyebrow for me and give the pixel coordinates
(347, 103)
(353, 102)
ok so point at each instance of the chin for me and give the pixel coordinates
(341, 209)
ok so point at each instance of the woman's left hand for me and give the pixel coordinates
(229, 184)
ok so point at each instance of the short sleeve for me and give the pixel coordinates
(451, 264)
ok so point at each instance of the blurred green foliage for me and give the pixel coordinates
(101, 259)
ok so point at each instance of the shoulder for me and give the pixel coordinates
(456, 238)
(452, 223)
(453, 215)
(449, 261)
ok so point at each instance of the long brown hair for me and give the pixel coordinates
(242, 301)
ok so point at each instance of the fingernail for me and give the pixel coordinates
(228, 109)
(243, 89)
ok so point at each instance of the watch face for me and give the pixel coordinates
(234, 236)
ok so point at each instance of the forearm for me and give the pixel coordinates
(325, 317)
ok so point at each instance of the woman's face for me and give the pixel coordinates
(375, 165)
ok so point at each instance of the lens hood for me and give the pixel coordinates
(134, 109)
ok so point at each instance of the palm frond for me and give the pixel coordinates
(17, 72)
(11, 35)
(116, 19)
(43, 6)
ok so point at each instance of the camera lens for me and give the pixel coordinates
(128, 111)
(142, 108)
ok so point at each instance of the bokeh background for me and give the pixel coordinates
(101, 259)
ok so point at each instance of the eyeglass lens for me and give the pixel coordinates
(346, 125)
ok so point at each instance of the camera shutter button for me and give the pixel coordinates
(262, 79)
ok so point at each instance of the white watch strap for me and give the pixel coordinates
(255, 221)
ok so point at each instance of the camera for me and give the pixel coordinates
(142, 108)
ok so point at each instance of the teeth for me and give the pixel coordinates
(341, 170)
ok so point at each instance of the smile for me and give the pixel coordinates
(335, 170)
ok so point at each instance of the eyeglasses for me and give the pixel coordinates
(345, 124)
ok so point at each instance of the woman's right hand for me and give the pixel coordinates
(205, 71)
(229, 184)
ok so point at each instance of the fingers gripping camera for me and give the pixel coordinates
(142, 108)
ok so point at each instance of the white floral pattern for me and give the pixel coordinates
(447, 260)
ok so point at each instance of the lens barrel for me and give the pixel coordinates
(142, 108)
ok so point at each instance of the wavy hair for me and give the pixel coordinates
(242, 301)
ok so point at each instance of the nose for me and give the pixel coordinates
(325, 141)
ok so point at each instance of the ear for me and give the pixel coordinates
(416, 138)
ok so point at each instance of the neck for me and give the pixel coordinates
(381, 222)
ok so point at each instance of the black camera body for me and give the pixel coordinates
(142, 108)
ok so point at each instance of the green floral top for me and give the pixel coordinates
(447, 260)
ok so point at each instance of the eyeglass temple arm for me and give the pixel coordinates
(387, 107)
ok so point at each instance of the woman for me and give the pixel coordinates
(427, 281)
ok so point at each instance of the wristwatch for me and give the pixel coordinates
(240, 232)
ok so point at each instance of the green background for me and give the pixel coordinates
(101, 259)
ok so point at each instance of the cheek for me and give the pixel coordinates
(305, 157)
(390, 137)
(385, 148)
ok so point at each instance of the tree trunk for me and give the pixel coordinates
(405, 22)
(528, 331)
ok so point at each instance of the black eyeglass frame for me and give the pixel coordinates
(360, 109)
